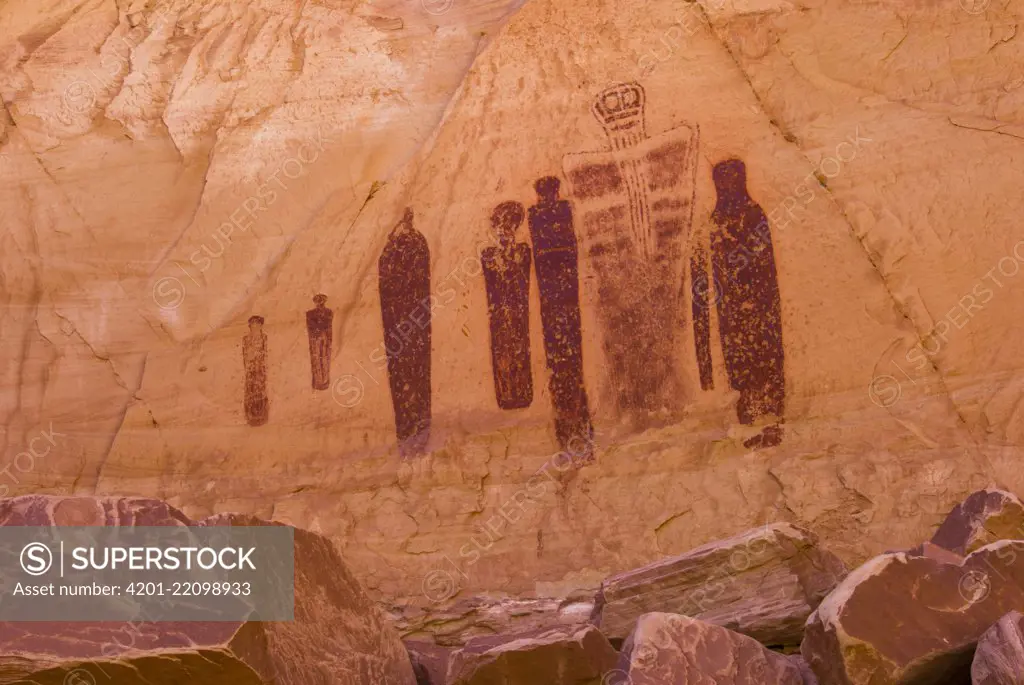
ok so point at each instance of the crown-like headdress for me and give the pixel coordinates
(620, 109)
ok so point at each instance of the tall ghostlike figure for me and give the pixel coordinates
(749, 306)
(318, 327)
(404, 269)
(635, 202)
(254, 359)
(506, 270)
(556, 262)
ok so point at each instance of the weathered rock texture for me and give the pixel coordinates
(486, 616)
(580, 656)
(907, 620)
(170, 169)
(986, 516)
(429, 662)
(763, 583)
(805, 669)
(999, 657)
(668, 648)
(338, 635)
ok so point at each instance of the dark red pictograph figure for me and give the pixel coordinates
(404, 269)
(318, 326)
(749, 306)
(506, 270)
(556, 260)
(254, 359)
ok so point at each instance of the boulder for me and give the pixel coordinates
(985, 516)
(429, 661)
(805, 669)
(668, 648)
(912, 620)
(456, 622)
(338, 636)
(578, 655)
(999, 658)
(763, 583)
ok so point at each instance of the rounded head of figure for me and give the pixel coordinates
(255, 322)
(319, 300)
(547, 188)
(505, 219)
(406, 221)
(731, 173)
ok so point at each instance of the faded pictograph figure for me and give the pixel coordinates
(635, 204)
(254, 359)
(506, 270)
(556, 261)
(404, 282)
(748, 303)
(318, 327)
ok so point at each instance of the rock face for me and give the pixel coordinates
(338, 635)
(999, 658)
(183, 182)
(668, 648)
(906, 620)
(986, 516)
(580, 656)
(763, 583)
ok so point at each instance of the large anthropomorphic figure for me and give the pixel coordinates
(506, 270)
(635, 203)
(404, 281)
(556, 260)
(748, 303)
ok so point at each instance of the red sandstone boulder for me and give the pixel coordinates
(429, 661)
(762, 583)
(668, 648)
(984, 517)
(913, 620)
(338, 636)
(999, 658)
(805, 669)
(578, 655)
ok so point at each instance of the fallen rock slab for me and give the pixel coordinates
(763, 583)
(912, 620)
(669, 648)
(984, 517)
(454, 623)
(338, 636)
(999, 657)
(579, 655)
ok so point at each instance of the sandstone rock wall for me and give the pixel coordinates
(878, 141)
